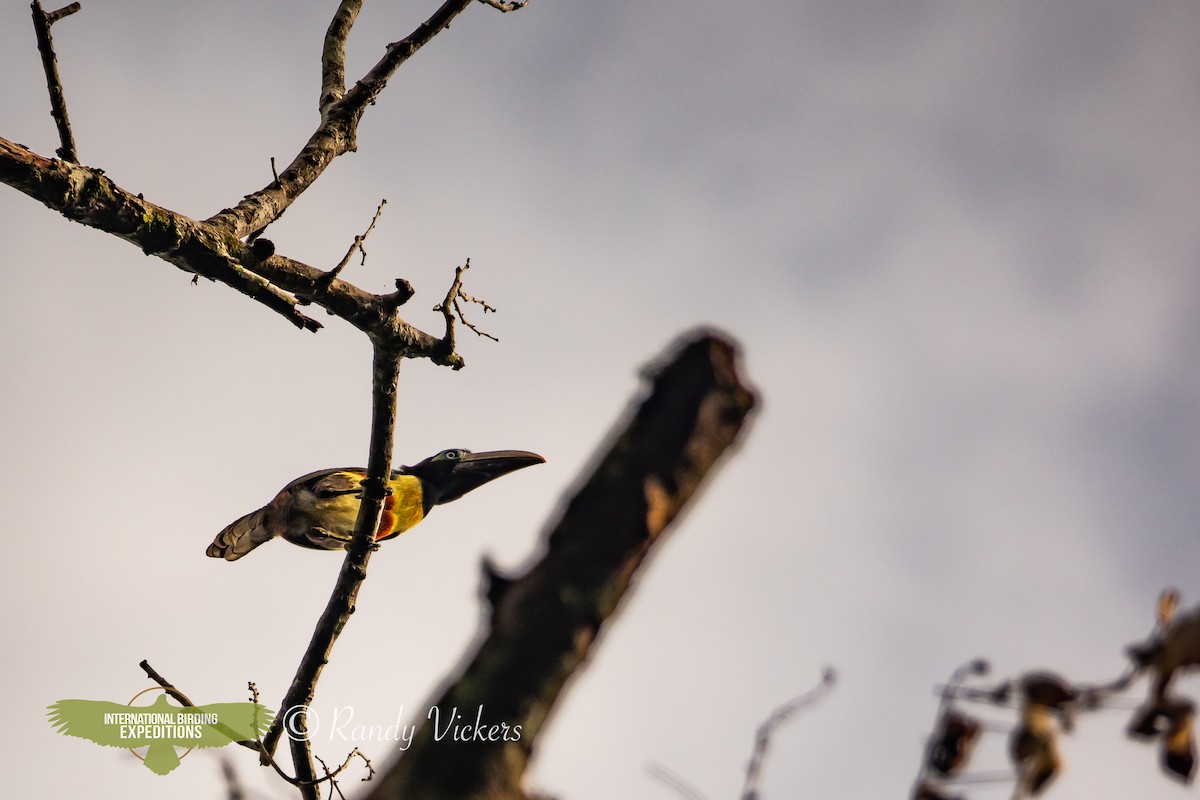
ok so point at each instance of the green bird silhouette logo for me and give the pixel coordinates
(160, 727)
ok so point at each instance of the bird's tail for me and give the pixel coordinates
(240, 537)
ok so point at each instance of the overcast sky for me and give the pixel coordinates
(958, 243)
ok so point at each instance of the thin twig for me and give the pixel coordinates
(165, 684)
(762, 739)
(992, 776)
(58, 103)
(366, 761)
(357, 245)
(255, 745)
(183, 700)
(1091, 698)
(333, 784)
(331, 776)
(675, 781)
(350, 757)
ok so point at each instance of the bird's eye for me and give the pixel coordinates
(452, 455)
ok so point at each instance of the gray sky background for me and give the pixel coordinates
(957, 242)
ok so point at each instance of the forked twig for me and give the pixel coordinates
(451, 308)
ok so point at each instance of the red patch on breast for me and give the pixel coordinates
(387, 519)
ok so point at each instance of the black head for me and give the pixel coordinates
(452, 473)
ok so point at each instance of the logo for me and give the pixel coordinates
(162, 727)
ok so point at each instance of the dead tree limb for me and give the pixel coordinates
(544, 623)
(333, 54)
(214, 247)
(385, 375)
(338, 130)
(42, 20)
(87, 196)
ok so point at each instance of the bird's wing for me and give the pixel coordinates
(330, 483)
(85, 719)
(336, 479)
(235, 722)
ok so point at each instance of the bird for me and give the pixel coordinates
(160, 727)
(318, 510)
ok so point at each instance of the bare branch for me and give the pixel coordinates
(333, 54)
(257, 745)
(65, 11)
(331, 775)
(350, 757)
(87, 196)
(58, 103)
(762, 739)
(357, 245)
(446, 307)
(466, 298)
(544, 623)
(333, 786)
(170, 689)
(214, 247)
(339, 121)
(354, 570)
(179, 696)
(451, 309)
